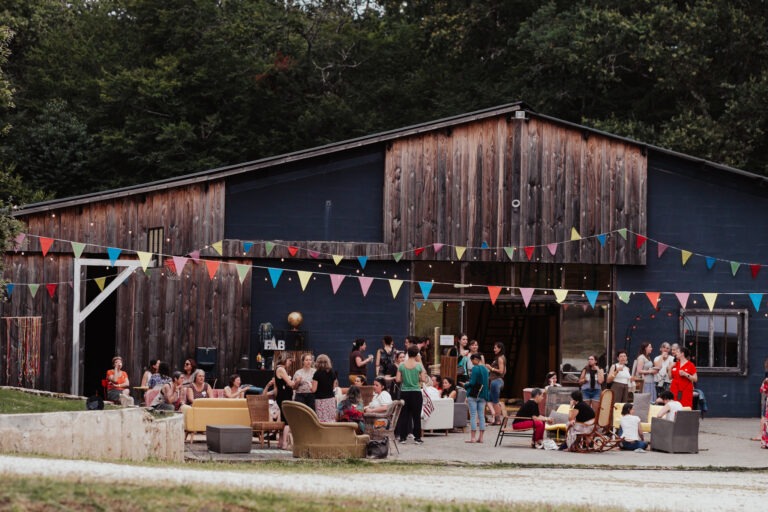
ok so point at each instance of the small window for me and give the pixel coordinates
(717, 339)
(155, 240)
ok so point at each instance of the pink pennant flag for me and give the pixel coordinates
(195, 255)
(51, 287)
(653, 297)
(755, 268)
(293, 250)
(45, 244)
(18, 241)
(365, 283)
(314, 254)
(494, 292)
(660, 249)
(336, 280)
(179, 262)
(213, 266)
(552, 249)
(418, 251)
(527, 293)
(529, 251)
(437, 247)
(640, 241)
(682, 298)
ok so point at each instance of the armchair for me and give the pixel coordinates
(679, 436)
(315, 440)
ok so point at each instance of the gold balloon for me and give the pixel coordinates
(294, 319)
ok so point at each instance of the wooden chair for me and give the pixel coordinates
(261, 421)
(601, 437)
(381, 425)
(449, 366)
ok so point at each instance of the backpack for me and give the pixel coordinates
(387, 362)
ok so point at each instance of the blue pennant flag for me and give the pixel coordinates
(426, 287)
(113, 253)
(756, 299)
(419, 304)
(247, 246)
(710, 262)
(591, 297)
(363, 260)
(274, 274)
(484, 245)
(601, 239)
(9, 289)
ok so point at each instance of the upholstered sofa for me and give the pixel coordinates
(442, 417)
(215, 411)
(315, 440)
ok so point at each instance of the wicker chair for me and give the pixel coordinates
(261, 421)
(381, 425)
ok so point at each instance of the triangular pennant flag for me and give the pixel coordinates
(78, 248)
(337, 259)
(710, 262)
(529, 251)
(113, 254)
(100, 282)
(418, 251)
(756, 299)
(624, 296)
(710, 298)
(685, 255)
(623, 233)
(45, 244)
(33, 289)
(304, 278)
(179, 262)
(640, 241)
(575, 234)
(213, 267)
(51, 287)
(268, 246)
(292, 250)
(560, 295)
(394, 285)
(144, 258)
(437, 305)
(437, 247)
(460, 251)
(591, 297)
(660, 248)
(419, 304)
(242, 271)
(314, 255)
(509, 251)
(754, 268)
(362, 260)
(365, 284)
(484, 245)
(336, 280)
(653, 297)
(195, 255)
(274, 275)
(601, 239)
(494, 292)
(734, 268)
(426, 287)
(552, 248)
(682, 298)
(397, 256)
(18, 240)
(527, 293)
(218, 247)
(247, 247)
(9, 288)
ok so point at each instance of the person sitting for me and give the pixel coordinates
(430, 390)
(551, 380)
(449, 389)
(528, 417)
(632, 435)
(381, 397)
(190, 365)
(151, 369)
(163, 376)
(351, 408)
(437, 383)
(581, 419)
(118, 385)
(358, 380)
(199, 388)
(172, 395)
(235, 389)
(671, 406)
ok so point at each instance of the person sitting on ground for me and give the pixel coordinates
(449, 389)
(163, 376)
(381, 397)
(528, 417)
(351, 408)
(172, 395)
(151, 369)
(581, 419)
(632, 435)
(671, 406)
(117, 381)
(199, 388)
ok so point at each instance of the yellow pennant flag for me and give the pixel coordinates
(304, 278)
(685, 255)
(395, 285)
(710, 298)
(218, 247)
(144, 258)
(460, 251)
(337, 259)
(100, 282)
(560, 295)
(575, 234)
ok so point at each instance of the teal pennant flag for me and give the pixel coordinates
(274, 275)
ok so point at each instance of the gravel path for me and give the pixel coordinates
(631, 489)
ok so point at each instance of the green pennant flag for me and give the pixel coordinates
(33, 289)
(77, 248)
(734, 268)
(268, 246)
(242, 271)
(624, 296)
(398, 256)
(510, 251)
(623, 233)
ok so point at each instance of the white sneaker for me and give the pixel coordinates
(640, 450)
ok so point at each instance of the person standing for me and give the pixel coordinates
(385, 358)
(477, 396)
(645, 369)
(496, 372)
(684, 376)
(357, 361)
(410, 375)
(663, 363)
(323, 383)
(619, 376)
(591, 380)
(303, 380)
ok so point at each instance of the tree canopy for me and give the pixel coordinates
(117, 92)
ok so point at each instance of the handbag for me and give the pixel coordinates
(475, 393)
(378, 448)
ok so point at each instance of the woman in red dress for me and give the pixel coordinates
(683, 378)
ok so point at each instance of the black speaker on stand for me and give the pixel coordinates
(206, 358)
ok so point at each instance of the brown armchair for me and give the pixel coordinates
(315, 440)
(678, 436)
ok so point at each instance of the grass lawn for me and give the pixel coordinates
(18, 402)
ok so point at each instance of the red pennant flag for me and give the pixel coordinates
(494, 292)
(529, 252)
(51, 289)
(213, 266)
(293, 250)
(418, 251)
(170, 264)
(755, 268)
(640, 241)
(654, 298)
(45, 244)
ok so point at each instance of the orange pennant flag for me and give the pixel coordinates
(654, 298)
(213, 266)
(45, 244)
(494, 292)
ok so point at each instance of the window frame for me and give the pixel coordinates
(742, 343)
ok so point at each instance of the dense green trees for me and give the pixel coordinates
(115, 92)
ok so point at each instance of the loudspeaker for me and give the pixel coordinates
(206, 357)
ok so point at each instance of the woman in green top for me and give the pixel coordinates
(410, 375)
(477, 396)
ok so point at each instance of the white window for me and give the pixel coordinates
(717, 339)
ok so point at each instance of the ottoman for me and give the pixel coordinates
(229, 438)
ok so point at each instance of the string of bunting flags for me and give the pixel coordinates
(177, 264)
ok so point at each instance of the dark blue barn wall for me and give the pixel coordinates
(710, 213)
(333, 321)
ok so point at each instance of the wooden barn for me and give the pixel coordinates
(556, 239)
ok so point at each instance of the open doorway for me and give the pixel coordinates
(99, 344)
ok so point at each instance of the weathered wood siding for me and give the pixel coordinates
(457, 186)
